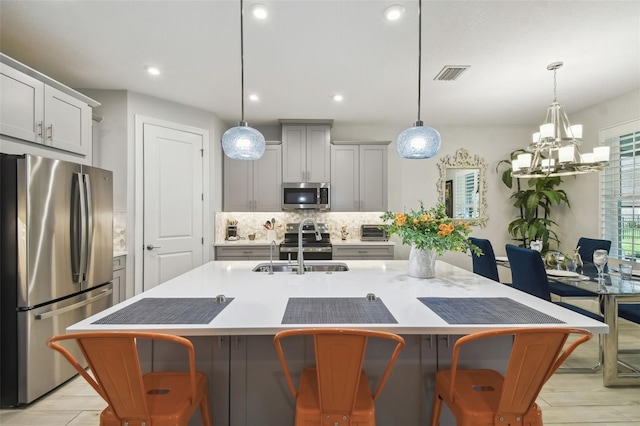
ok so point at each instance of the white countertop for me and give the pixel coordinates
(119, 253)
(260, 299)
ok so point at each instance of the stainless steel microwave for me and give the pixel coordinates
(306, 195)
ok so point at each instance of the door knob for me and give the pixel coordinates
(151, 247)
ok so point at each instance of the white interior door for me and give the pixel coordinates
(173, 202)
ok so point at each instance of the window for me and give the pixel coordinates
(466, 193)
(620, 191)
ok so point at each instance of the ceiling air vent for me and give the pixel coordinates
(451, 72)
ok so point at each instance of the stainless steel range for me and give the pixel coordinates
(313, 249)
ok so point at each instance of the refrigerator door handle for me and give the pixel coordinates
(83, 229)
(78, 248)
(88, 236)
(75, 306)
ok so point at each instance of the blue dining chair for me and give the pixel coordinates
(630, 312)
(527, 271)
(586, 247)
(528, 275)
(485, 264)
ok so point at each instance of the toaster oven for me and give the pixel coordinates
(373, 233)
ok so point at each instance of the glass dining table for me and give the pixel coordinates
(612, 291)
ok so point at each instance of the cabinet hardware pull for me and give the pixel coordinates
(50, 129)
(40, 126)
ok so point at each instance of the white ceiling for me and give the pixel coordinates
(308, 50)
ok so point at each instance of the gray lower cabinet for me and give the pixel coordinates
(363, 252)
(260, 396)
(119, 279)
(244, 253)
(247, 386)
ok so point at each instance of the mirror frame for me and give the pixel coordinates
(463, 160)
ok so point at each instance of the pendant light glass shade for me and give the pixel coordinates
(243, 142)
(419, 141)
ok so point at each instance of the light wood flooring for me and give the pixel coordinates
(567, 399)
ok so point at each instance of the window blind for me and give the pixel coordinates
(467, 198)
(620, 191)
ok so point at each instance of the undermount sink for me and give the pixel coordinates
(308, 267)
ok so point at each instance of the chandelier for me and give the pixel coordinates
(243, 142)
(554, 150)
(418, 141)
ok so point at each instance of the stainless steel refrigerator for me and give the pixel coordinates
(56, 264)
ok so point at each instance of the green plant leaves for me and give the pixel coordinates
(534, 205)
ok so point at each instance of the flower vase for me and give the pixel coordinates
(422, 263)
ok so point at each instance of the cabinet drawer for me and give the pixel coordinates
(363, 252)
(119, 263)
(243, 253)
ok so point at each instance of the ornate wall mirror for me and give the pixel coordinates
(462, 186)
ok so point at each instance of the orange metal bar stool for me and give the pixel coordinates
(336, 391)
(158, 398)
(485, 397)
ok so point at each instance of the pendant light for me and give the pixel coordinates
(243, 142)
(418, 141)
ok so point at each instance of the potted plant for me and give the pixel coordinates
(429, 233)
(534, 204)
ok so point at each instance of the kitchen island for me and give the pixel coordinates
(235, 348)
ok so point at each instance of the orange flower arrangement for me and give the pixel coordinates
(431, 229)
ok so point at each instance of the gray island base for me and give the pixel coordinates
(235, 349)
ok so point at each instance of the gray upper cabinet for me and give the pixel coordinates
(306, 153)
(33, 111)
(359, 177)
(252, 186)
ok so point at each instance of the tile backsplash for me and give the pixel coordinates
(253, 222)
(119, 232)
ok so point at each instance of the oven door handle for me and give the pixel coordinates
(306, 249)
(73, 307)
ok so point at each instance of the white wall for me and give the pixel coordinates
(413, 180)
(582, 218)
(117, 151)
(111, 147)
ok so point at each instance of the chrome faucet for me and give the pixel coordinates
(318, 238)
(273, 244)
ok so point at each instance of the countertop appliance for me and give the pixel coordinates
(56, 240)
(312, 248)
(373, 233)
(306, 195)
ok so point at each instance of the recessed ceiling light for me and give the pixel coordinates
(254, 97)
(259, 11)
(394, 12)
(338, 98)
(153, 70)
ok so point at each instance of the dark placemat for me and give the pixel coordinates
(480, 310)
(167, 311)
(336, 310)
